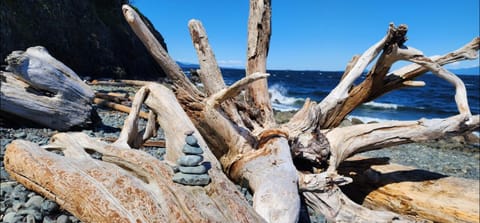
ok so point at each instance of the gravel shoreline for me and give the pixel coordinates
(448, 156)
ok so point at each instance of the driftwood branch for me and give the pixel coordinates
(240, 140)
(259, 31)
(347, 141)
(379, 81)
(210, 73)
(118, 107)
(234, 89)
(168, 65)
(120, 82)
(143, 178)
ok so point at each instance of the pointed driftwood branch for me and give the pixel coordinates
(347, 141)
(118, 107)
(379, 81)
(168, 65)
(259, 31)
(209, 71)
(234, 89)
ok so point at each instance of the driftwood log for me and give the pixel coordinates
(378, 184)
(236, 126)
(129, 185)
(41, 89)
(256, 151)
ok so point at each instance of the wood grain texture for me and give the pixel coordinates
(379, 184)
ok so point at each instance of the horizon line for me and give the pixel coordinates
(186, 64)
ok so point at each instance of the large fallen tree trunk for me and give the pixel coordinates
(252, 149)
(378, 184)
(41, 89)
(129, 185)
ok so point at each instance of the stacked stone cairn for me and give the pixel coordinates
(190, 169)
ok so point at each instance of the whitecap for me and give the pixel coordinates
(366, 119)
(283, 108)
(381, 105)
(278, 95)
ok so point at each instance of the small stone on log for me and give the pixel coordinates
(193, 169)
(190, 160)
(193, 150)
(191, 140)
(191, 179)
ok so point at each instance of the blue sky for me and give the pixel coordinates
(314, 34)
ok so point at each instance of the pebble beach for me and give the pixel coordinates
(453, 156)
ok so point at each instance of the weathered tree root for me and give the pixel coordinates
(244, 141)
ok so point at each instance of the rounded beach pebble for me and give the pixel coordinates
(189, 160)
(191, 179)
(193, 150)
(193, 169)
(191, 140)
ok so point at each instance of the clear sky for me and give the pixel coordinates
(314, 34)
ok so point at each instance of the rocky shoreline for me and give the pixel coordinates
(457, 156)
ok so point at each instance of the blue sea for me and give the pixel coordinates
(289, 89)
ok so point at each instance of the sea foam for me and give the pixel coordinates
(282, 102)
(380, 105)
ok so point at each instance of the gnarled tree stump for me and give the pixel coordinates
(251, 149)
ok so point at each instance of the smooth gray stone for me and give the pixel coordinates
(20, 135)
(11, 217)
(36, 214)
(193, 169)
(191, 140)
(6, 187)
(30, 219)
(34, 202)
(49, 206)
(194, 150)
(47, 219)
(191, 179)
(17, 206)
(4, 175)
(63, 219)
(189, 160)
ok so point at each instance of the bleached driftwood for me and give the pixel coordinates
(39, 88)
(129, 185)
(254, 151)
(403, 189)
(120, 82)
(116, 106)
(379, 81)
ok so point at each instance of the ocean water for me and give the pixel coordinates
(289, 89)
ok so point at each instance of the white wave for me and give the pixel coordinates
(280, 101)
(283, 108)
(365, 119)
(477, 133)
(277, 95)
(381, 105)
